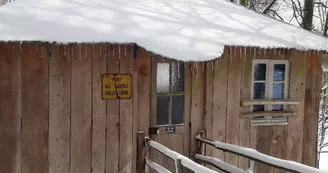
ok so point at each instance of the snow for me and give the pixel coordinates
(180, 29)
(221, 164)
(291, 165)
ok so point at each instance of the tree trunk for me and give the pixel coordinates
(308, 15)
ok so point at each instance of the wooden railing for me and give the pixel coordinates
(144, 143)
(180, 160)
(252, 155)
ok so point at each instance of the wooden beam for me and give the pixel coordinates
(141, 152)
(269, 102)
(267, 113)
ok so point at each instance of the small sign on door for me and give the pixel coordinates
(116, 86)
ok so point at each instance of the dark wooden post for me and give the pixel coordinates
(201, 145)
(179, 166)
(141, 161)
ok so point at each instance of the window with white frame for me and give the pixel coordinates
(270, 81)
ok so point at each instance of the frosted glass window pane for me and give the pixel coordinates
(259, 91)
(163, 77)
(177, 77)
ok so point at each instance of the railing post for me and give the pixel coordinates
(179, 166)
(201, 145)
(141, 161)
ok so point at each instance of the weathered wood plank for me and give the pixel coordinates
(125, 156)
(245, 94)
(208, 122)
(279, 144)
(263, 133)
(59, 109)
(134, 119)
(81, 103)
(220, 89)
(297, 82)
(98, 110)
(253, 129)
(35, 110)
(263, 145)
(113, 115)
(232, 125)
(311, 108)
(197, 103)
(143, 62)
(10, 108)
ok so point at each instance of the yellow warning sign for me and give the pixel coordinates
(116, 86)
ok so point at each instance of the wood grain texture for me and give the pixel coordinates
(81, 102)
(98, 110)
(311, 108)
(233, 105)
(263, 133)
(35, 110)
(197, 103)
(125, 156)
(208, 122)
(251, 52)
(245, 94)
(220, 89)
(187, 102)
(297, 82)
(59, 108)
(113, 115)
(10, 108)
(134, 120)
(143, 64)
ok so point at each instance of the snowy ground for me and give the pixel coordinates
(324, 162)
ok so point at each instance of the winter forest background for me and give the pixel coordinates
(311, 15)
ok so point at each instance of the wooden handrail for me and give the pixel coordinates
(260, 157)
(185, 161)
(269, 102)
(223, 166)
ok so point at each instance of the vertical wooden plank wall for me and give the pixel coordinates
(10, 113)
(232, 124)
(59, 108)
(81, 109)
(197, 103)
(208, 122)
(98, 110)
(298, 62)
(60, 87)
(35, 110)
(125, 155)
(245, 94)
(279, 133)
(220, 89)
(311, 107)
(113, 112)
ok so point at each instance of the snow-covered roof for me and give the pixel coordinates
(187, 30)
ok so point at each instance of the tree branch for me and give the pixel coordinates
(267, 8)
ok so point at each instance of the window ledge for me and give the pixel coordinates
(270, 102)
(269, 122)
(268, 114)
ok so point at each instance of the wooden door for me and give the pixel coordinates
(170, 102)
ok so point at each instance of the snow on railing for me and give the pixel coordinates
(185, 161)
(259, 157)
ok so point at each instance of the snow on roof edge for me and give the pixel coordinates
(204, 59)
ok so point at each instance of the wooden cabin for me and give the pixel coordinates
(77, 107)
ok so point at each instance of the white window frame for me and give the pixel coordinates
(269, 91)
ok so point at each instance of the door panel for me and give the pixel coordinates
(173, 142)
